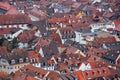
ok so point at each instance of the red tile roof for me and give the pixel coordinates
(117, 24)
(37, 13)
(14, 19)
(31, 78)
(40, 42)
(4, 31)
(26, 36)
(39, 71)
(98, 41)
(71, 50)
(54, 20)
(66, 31)
(6, 6)
(12, 12)
(2, 74)
(97, 72)
(94, 73)
(3, 50)
(98, 64)
(33, 54)
(80, 75)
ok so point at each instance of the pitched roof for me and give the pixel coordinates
(98, 41)
(117, 24)
(39, 72)
(3, 50)
(5, 31)
(111, 56)
(26, 36)
(41, 25)
(16, 57)
(97, 72)
(33, 54)
(98, 64)
(112, 45)
(67, 32)
(50, 50)
(6, 6)
(14, 19)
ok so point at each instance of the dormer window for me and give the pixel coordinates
(99, 72)
(26, 59)
(20, 60)
(87, 74)
(13, 61)
(104, 71)
(93, 73)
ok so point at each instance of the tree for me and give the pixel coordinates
(14, 43)
(2, 40)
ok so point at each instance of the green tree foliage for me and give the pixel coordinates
(2, 40)
(15, 43)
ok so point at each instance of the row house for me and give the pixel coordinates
(41, 28)
(36, 14)
(75, 44)
(66, 33)
(12, 62)
(111, 45)
(39, 73)
(94, 73)
(49, 50)
(44, 63)
(14, 21)
(70, 76)
(112, 57)
(82, 32)
(103, 26)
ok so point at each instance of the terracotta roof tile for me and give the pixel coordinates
(3, 50)
(14, 19)
(33, 54)
(67, 31)
(80, 75)
(6, 6)
(4, 31)
(26, 36)
(98, 41)
(98, 64)
(117, 24)
(2, 74)
(97, 72)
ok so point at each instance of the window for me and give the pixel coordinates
(93, 73)
(87, 74)
(20, 60)
(104, 71)
(13, 61)
(27, 59)
(3, 60)
(4, 66)
(99, 72)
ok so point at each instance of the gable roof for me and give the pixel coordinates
(41, 25)
(15, 56)
(26, 36)
(3, 50)
(67, 32)
(111, 56)
(50, 50)
(39, 72)
(75, 44)
(112, 45)
(14, 19)
(117, 24)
